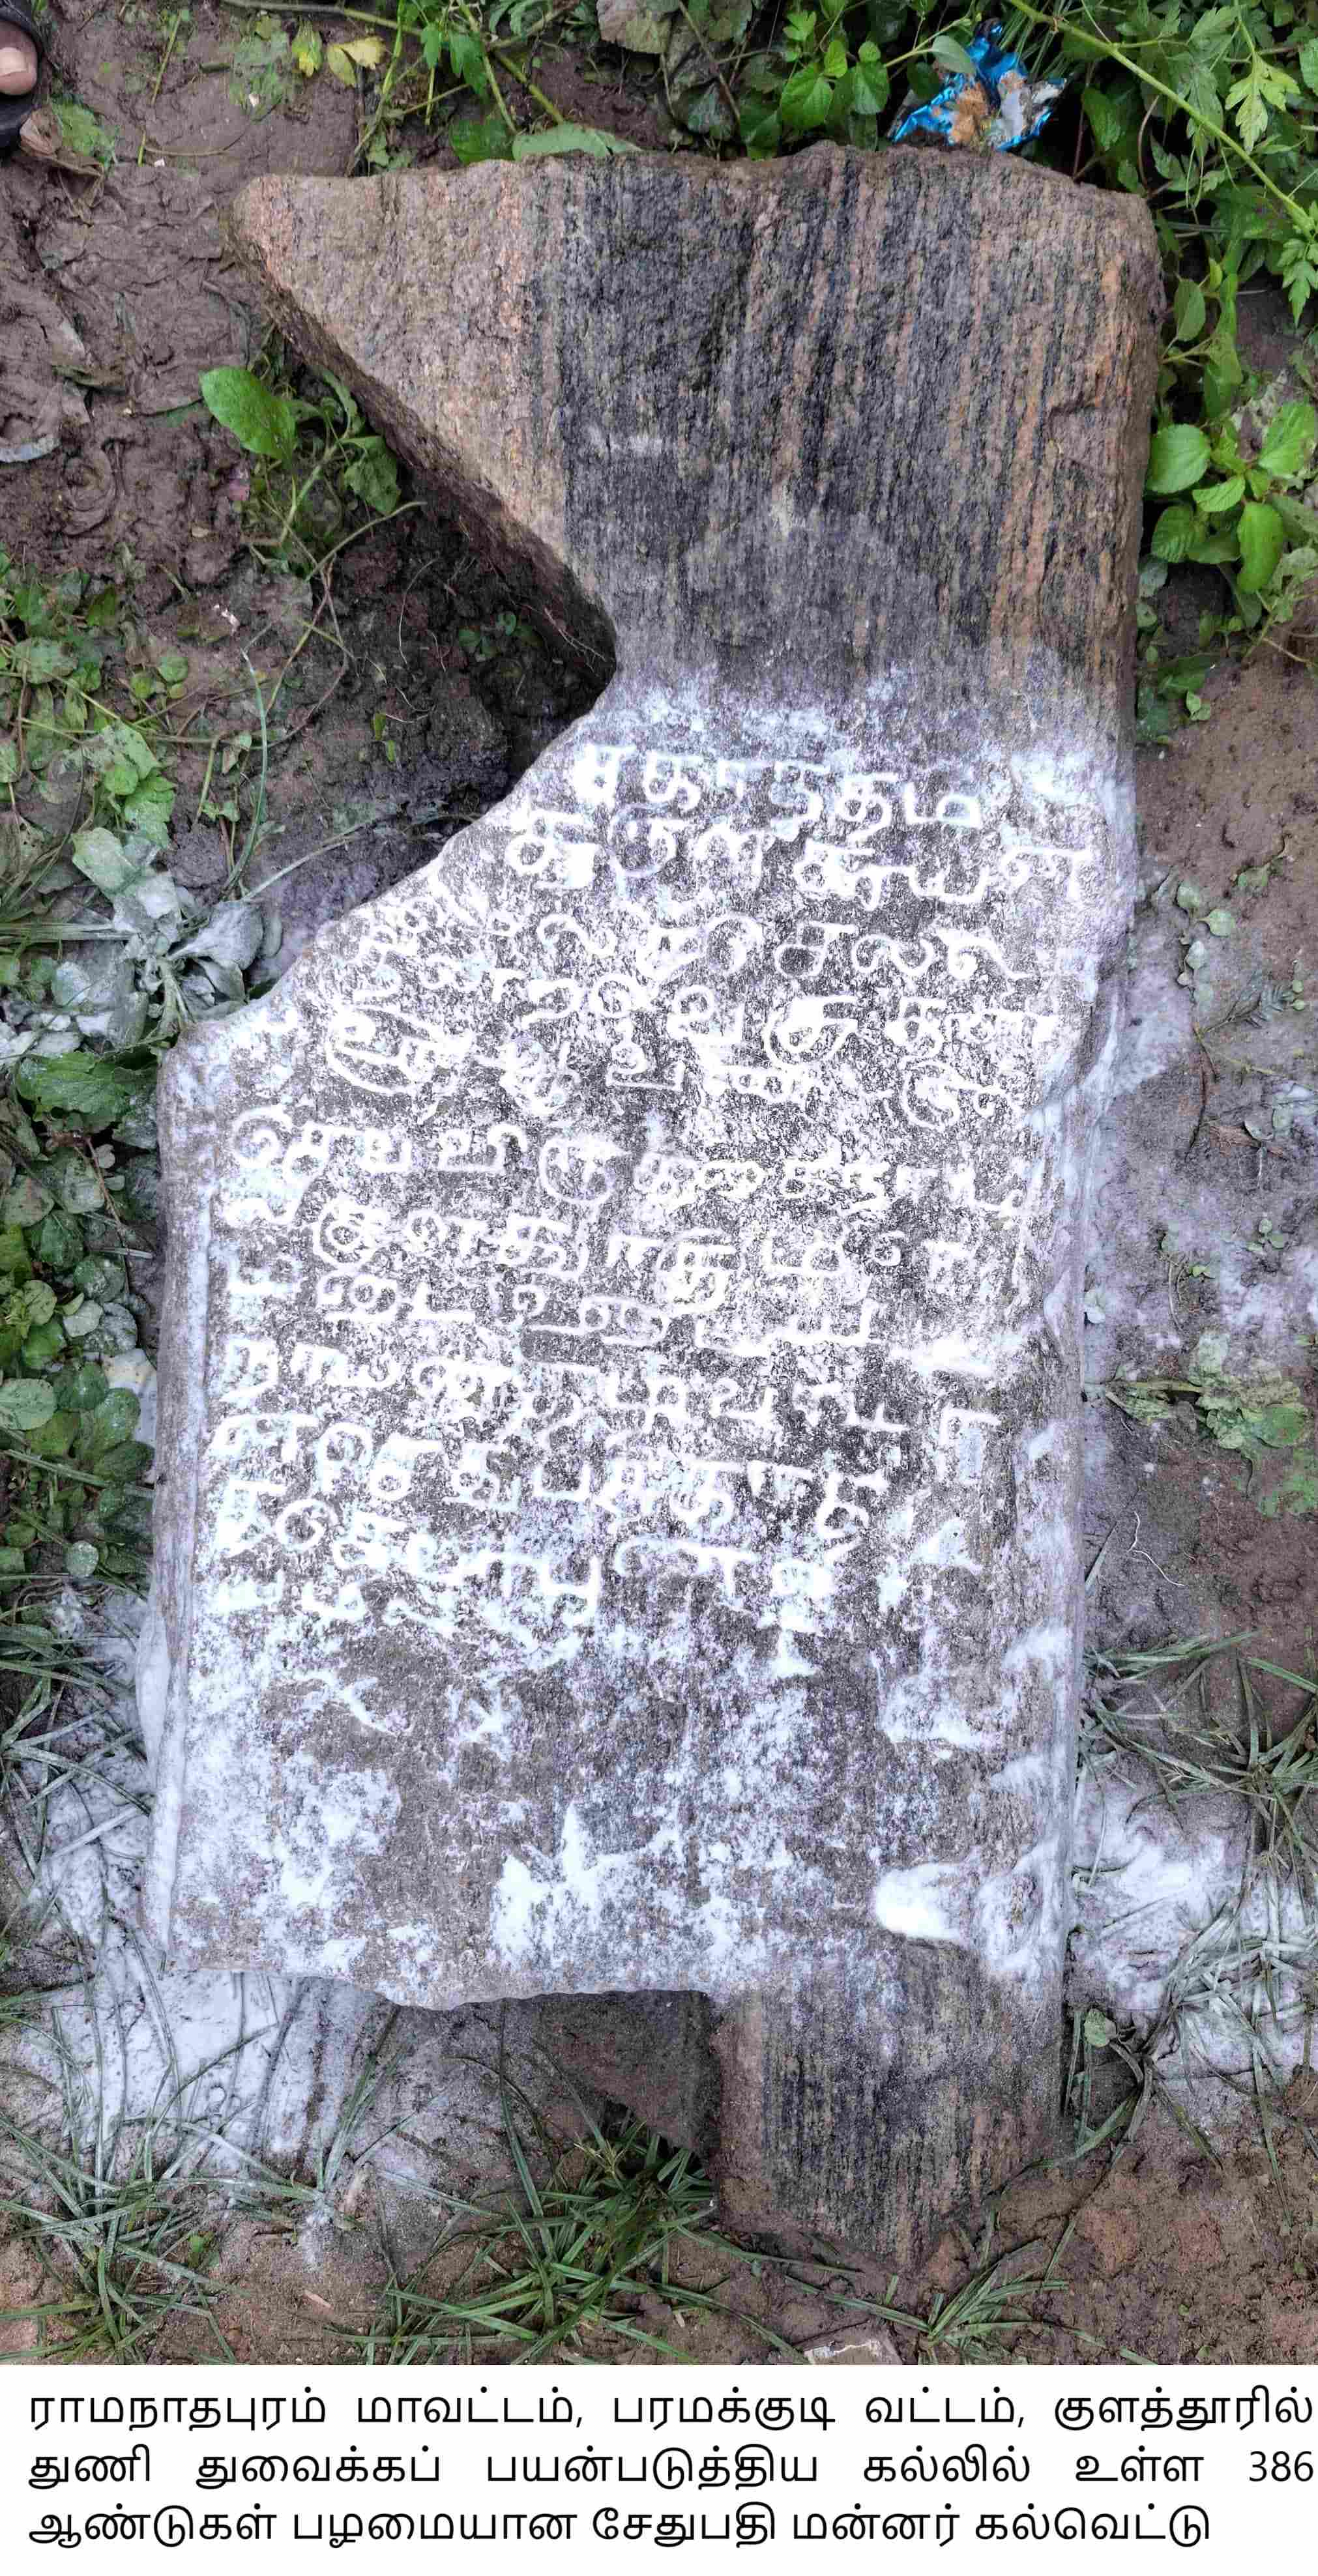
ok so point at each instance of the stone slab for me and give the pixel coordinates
(617, 1524)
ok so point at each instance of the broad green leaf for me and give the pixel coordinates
(26, 1204)
(41, 660)
(1178, 457)
(173, 667)
(761, 130)
(1110, 119)
(100, 856)
(1214, 545)
(79, 129)
(111, 1421)
(373, 473)
(339, 63)
(480, 138)
(366, 50)
(117, 754)
(1262, 544)
(308, 51)
(467, 55)
(569, 138)
(78, 1084)
(262, 422)
(44, 1343)
(1290, 438)
(705, 111)
(80, 1388)
(1282, 1425)
(954, 58)
(1174, 533)
(77, 1189)
(1309, 63)
(150, 807)
(1189, 310)
(25, 1402)
(30, 1306)
(806, 99)
(868, 85)
(1220, 496)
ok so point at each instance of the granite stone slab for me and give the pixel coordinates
(617, 1524)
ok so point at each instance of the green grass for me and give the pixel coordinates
(1202, 1721)
(1193, 1715)
(980, 2321)
(120, 2216)
(563, 2260)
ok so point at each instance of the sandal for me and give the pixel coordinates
(14, 112)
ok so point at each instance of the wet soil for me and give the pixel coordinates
(391, 732)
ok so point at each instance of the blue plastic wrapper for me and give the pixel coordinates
(997, 112)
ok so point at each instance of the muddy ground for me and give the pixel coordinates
(115, 293)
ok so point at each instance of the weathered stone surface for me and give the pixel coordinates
(621, 1395)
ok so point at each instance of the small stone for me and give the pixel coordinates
(872, 2350)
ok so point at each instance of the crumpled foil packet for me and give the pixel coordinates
(996, 112)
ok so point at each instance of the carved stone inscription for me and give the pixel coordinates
(629, 1543)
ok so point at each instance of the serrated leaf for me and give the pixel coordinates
(1262, 544)
(262, 422)
(1174, 533)
(867, 87)
(1178, 456)
(373, 473)
(467, 55)
(307, 50)
(1109, 119)
(806, 100)
(569, 138)
(81, 132)
(1290, 438)
(1214, 497)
